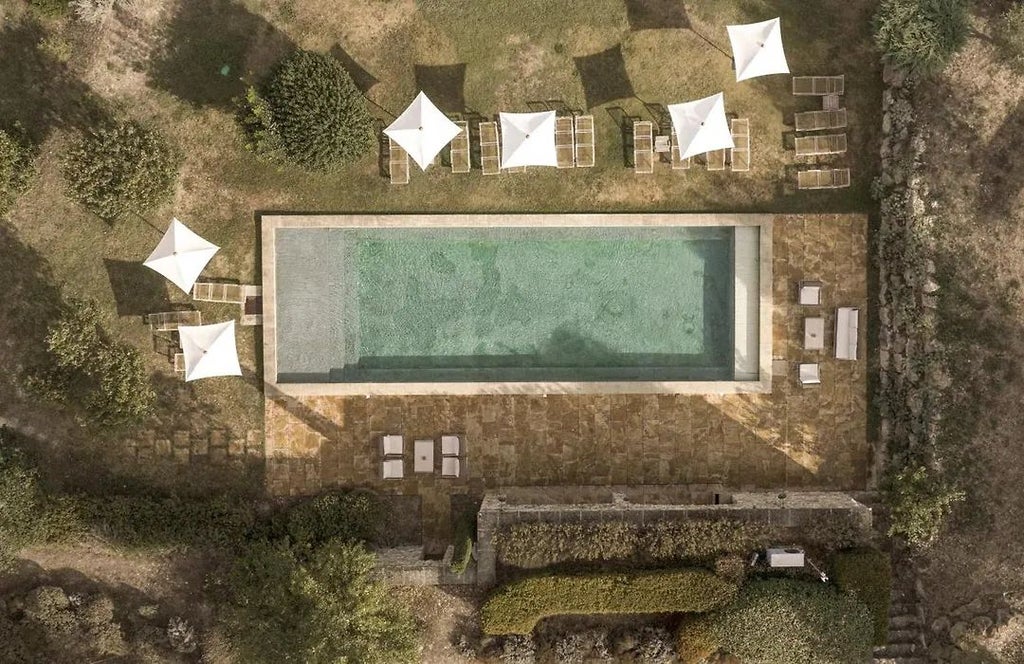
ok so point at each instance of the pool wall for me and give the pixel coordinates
(753, 302)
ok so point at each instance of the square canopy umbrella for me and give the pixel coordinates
(757, 49)
(209, 350)
(422, 130)
(701, 126)
(528, 139)
(181, 255)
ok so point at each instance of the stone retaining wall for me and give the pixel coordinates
(405, 566)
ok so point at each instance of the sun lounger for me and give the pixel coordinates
(450, 467)
(451, 445)
(179, 363)
(830, 178)
(847, 324)
(809, 374)
(584, 138)
(398, 163)
(818, 120)
(423, 456)
(812, 146)
(565, 147)
(392, 445)
(490, 150)
(643, 146)
(392, 469)
(809, 293)
(168, 321)
(678, 163)
(819, 85)
(460, 148)
(206, 291)
(741, 138)
(715, 160)
(830, 103)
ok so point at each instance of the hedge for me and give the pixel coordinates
(517, 607)
(867, 575)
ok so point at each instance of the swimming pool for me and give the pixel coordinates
(508, 305)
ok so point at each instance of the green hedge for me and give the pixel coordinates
(517, 607)
(465, 531)
(867, 575)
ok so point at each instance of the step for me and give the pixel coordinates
(903, 608)
(897, 650)
(904, 621)
(904, 635)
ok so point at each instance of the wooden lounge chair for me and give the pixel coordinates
(829, 178)
(715, 160)
(643, 146)
(847, 323)
(809, 373)
(207, 291)
(819, 85)
(584, 138)
(741, 138)
(565, 148)
(678, 163)
(460, 148)
(818, 120)
(398, 163)
(490, 150)
(169, 321)
(811, 146)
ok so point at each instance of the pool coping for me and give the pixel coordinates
(270, 222)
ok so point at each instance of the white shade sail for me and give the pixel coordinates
(757, 49)
(528, 139)
(422, 130)
(181, 255)
(209, 350)
(701, 126)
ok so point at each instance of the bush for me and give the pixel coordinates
(867, 575)
(353, 516)
(781, 621)
(920, 36)
(326, 608)
(465, 534)
(919, 503)
(533, 545)
(15, 167)
(517, 607)
(52, 8)
(121, 169)
(310, 113)
(1010, 36)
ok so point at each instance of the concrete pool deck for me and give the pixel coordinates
(788, 437)
(752, 324)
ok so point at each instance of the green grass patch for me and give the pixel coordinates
(517, 607)
(867, 575)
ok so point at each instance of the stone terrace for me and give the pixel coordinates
(792, 437)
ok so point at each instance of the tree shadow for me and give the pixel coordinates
(656, 14)
(137, 289)
(363, 79)
(210, 47)
(1002, 173)
(444, 84)
(604, 76)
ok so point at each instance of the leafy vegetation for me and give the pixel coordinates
(465, 534)
(322, 608)
(920, 36)
(121, 169)
(15, 166)
(51, 8)
(517, 607)
(1010, 35)
(867, 575)
(780, 621)
(920, 501)
(309, 112)
(354, 516)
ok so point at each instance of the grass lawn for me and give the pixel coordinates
(178, 65)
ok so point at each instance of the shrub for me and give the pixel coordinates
(327, 608)
(919, 503)
(517, 607)
(920, 36)
(353, 516)
(1010, 36)
(15, 167)
(121, 169)
(465, 532)
(696, 641)
(867, 575)
(310, 112)
(781, 621)
(52, 8)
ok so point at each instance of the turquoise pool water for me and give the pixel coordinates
(504, 304)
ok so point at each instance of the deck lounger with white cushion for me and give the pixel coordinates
(715, 160)
(819, 85)
(450, 466)
(392, 445)
(847, 321)
(460, 148)
(818, 120)
(392, 469)
(813, 146)
(830, 178)
(643, 146)
(168, 321)
(398, 163)
(490, 151)
(741, 139)
(678, 163)
(808, 293)
(451, 445)
(584, 130)
(565, 147)
(809, 374)
(423, 456)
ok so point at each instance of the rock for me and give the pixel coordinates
(892, 76)
(886, 99)
(972, 608)
(623, 642)
(957, 631)
(982, 624)
(886, 123)
(930, 286)
(940, 625)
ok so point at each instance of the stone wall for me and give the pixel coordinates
(406, 566)
(789, 510)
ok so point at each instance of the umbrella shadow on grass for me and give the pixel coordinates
(604, 76)
(445, 85)
(137, 289)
